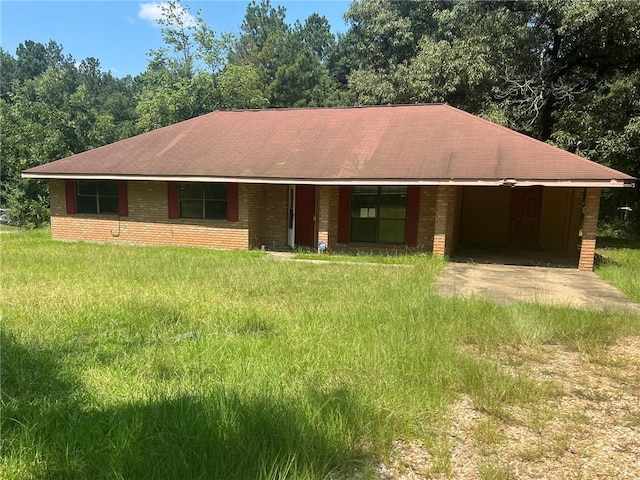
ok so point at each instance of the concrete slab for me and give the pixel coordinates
(509, 284)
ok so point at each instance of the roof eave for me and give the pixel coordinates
(605, 183)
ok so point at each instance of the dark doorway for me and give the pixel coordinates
(306, 215)
(525, 215)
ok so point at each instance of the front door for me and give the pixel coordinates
(305, 215)
(525, 215)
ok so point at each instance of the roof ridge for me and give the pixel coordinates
(337, 107)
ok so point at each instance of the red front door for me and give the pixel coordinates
(306, 215)
(525, 215)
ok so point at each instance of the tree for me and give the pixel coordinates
(181, 79)
(291, 60)
(240, 86)
(33, 58)
(8, 68)
(51, 113)
(263, 32)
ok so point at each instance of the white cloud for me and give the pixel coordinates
(152, 12)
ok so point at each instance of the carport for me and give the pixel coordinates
(527, 225)
(525, 222)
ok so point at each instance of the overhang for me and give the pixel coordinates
(578, 183)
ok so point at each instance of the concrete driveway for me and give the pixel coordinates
(509, 284)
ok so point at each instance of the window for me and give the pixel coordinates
(97, 197)
(203, 200)
(378, 214)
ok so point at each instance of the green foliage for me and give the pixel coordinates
(620, 265)
(603, 125)
(290, 60)
(27, 202)
(52, 109)
(181, 79)
(241, 87)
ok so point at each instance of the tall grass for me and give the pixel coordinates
(621, 265)
(133, 362)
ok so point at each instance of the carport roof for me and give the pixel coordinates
(404, 144)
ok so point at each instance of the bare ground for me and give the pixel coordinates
(588, 429)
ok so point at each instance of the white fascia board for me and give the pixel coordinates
(344, 182)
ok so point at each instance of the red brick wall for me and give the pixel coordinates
(148, 221)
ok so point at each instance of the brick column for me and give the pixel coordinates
(323, 214)
(575, 212)
(589, 228)
(426, 221)
(443, 228)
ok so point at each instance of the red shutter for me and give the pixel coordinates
(172, 192)
(344, 214)
(70, 196)
(123, 199)
(411, 219)
(232, 202)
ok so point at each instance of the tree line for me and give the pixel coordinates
(563, 71)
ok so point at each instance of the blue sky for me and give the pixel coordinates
(120, 33)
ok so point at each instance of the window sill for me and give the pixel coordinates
(199, 221)
(111, 216)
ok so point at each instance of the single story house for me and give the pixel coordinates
(415, 177)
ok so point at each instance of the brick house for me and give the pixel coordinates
(415, 177)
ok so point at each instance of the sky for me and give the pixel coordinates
(120, 33)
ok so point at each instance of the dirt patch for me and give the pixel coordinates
(589, 429)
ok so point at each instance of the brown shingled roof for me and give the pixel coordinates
(410, 144)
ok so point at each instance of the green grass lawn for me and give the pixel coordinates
(621, 265)
(134, 362)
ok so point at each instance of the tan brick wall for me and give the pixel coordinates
(327, 221)
(589, 229)
(255, 206)
(148, 221)
(427, 218)
(275, 217)
(57, 199)
(445, 214)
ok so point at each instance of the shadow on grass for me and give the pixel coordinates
(51, 429)
(612, 242)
